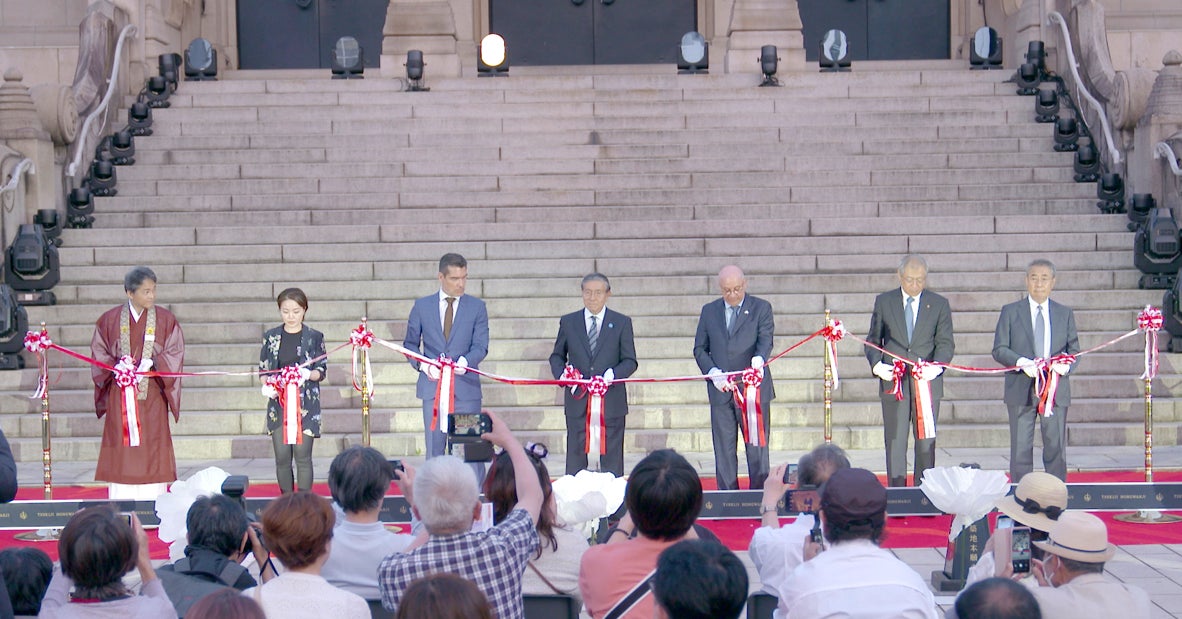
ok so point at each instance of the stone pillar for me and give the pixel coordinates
(755, 23)
(429, 26)
(21, 130)
(1162, 120)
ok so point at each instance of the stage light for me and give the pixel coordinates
(48, 219)
(1157, 250)
(1028, 78)
(79, 206)
(1037, 56)
(14, 323)
(170, 69)
(492, 56)
(414, 71)
(835, 52)
(693, 55)
(1087, 164)
(769, 62)
(1111, 191)
(1066, 135)
(1046, 106)
(122, 148)
(1171, 310)
(32, 267)
(155, 92)
(201, 61)
(139, 119)
(985, 52)
(101, 181)
(1139, 208)
(348, 59)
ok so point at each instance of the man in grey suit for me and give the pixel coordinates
(1036, 328)
(596, 341)
(914, 324)
(451, 324)
(734, 333)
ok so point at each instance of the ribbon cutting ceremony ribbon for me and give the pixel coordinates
(1150, 320)
(37, 342)
(445, 392)
(898, 371)
(1046, 382)
(360, 339)
(126, 378)
(287, 384)
(921, 390)
(747, 397)
(833, 333)
(596, 427)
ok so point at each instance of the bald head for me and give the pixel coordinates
(733, 284)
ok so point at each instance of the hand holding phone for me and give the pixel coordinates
(1020, 549)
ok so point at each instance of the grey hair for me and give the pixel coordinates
(445, 494)
(595, 277)
(913, 259)
(135, 278)
(1041, 262)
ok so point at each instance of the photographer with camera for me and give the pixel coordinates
(776, 550)
(447, 501)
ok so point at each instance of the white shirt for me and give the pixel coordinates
(598, 319)
(777, 552)
(856, 580)
(135, 311)
(455, 306)
(295, 595)
(914, 304)
(1046, 321)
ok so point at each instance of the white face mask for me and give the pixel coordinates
(1047, 571)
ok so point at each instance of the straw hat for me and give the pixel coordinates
(1079, 536)
(1037, 501)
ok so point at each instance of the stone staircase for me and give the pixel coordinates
(353, 189)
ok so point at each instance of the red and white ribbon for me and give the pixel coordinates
(898, 371)
(921, 390)
(445, 391)
(37, 342)
(127, 378)
(1046, 382)
(571, 377)
(596, 426)
(287, 384)
(1150, 321)
(833, 333)
(747, 397)
(360, 339)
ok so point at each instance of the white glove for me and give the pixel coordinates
(305, 374)
(145, 365)
(269, 391)
(884, 371)
(431, 371)
(1061, 368)
(720, 381)
(930, 372)
(757, 362)
(1027, 366)
(609, 375)
(461, 366)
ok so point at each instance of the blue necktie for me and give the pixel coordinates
(910, 317)
(732, 317)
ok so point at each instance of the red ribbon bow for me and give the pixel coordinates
(361, 337)
(37, 341)
(286, 382)
(598, 386)
(126, 379)
(1150, 321)
(125, 374)
(898, 371)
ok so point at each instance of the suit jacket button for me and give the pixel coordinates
(592, 369)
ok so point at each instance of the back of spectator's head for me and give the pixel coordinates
(997, 598)
(444, 596)
(216, 523)
(500, 489)
(26, 576)
(446, 496)
(815, 467)
(359, 478)
(298, 527)
(96, 548)
(697, 579)
(664, 495)
(853, 503)
(226, 603)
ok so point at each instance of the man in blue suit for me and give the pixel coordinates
(451, 324)
(734, 333)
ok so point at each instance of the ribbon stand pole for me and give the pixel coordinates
(365, 378)
(828, 388)
(1149, 430)
(46, 444)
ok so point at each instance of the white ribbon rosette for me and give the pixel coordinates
(967, 493)
(582, 499)
(172, 507)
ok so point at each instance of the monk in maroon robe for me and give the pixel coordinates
(124, 331)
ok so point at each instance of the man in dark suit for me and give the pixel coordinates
(454, 325)
(1036, 328)
(734, 333)
(596, 341)
(914, 324)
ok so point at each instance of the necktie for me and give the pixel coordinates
(448, 317)
(593, 334)
(732, 317)
(910, 317)
(1040, 335)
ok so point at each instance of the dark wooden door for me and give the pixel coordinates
(299, 34)
(879, 29)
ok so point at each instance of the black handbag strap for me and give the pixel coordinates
(632, 598)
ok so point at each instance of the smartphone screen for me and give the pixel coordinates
(1004, 522)
(790, 475)
(1020, 549)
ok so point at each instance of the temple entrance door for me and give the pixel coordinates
(880, 29)
(299, 34)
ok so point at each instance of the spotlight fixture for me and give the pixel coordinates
(1111, 191)
(985, 52)
(31, 266)
(101, 181)
(1139, 208)
(139, 119)
(1066, 135)
(48, 219)
(201, 61)
(1157, 250)
(348, 59)
(79, 207)
(1036, 55)
(1046, 106)
(170, 69)
(1087, 164)
(768, 63)
(14, 323)
(155, 92)
(1171, 309)
(835, 52)
(693, 55)
(1028, 77)
(492, 56)
(414, 71)
(122, 148)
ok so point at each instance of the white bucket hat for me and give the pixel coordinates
(1079, 536)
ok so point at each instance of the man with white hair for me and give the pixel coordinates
(446, 500)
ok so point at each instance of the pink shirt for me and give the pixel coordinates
(609, 571)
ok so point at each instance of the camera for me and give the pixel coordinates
(463, 436)
(234, 487)
(790, 475)
(1020, 549)
(396, 465)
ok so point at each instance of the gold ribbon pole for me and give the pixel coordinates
(828, 390)
(1148, 430)
(365, 378)
(46, 443)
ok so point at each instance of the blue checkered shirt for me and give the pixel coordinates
(493, 559)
